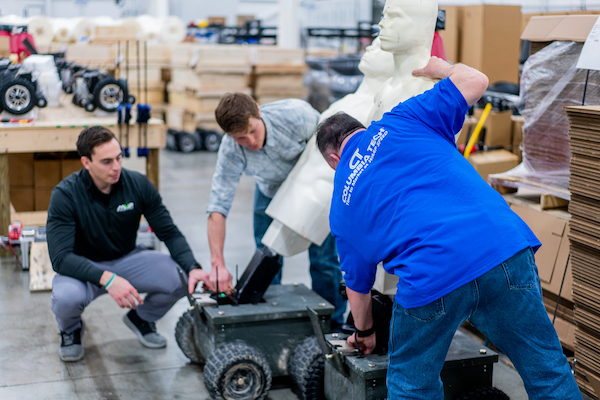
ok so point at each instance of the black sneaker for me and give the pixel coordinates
(70, 344)
(146, 331)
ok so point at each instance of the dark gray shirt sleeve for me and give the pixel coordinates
(60, 233)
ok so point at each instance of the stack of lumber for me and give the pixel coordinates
(278, 74)
(584, 132)
(200, 76)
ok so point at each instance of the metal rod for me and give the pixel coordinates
(587, 76)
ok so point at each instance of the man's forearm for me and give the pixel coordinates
(216, 237)
(362, 312)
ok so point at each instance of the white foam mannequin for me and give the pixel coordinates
(307, 189)
(407, 30)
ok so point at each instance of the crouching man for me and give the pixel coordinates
(93, 219)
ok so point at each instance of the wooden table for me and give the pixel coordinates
(56, 130)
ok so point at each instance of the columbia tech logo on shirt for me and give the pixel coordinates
(125, 207)
(359, 162)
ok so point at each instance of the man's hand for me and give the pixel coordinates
(196, 275)
(225, 279)
(436, 68)
(124, 293)
(216, 240)
(367, 344)
(470, 82)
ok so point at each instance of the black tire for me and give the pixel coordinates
(89, 106)
(212, 141)
(108, 94)
(236, 371)
(186, 142)
(185, 336)
(483, 393)
(131, 99)
(18, 96)
(42, 102)
(307, 369)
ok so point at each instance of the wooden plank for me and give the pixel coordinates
(30, 218)
(152, 167)
(40, 268)
(45, 137)
(4, 200)
(4, 195)
(547, 201)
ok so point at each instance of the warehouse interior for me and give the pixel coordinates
(153, 72)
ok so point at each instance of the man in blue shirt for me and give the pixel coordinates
(403, 195)
(265, 142)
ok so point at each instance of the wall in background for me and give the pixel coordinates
(313, 13)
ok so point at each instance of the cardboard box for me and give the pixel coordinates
(552, 229)
(20, 169)
(42, 198)
(497, 130)
(490, 40)
(493, 162)
(451, 35)
(47, 173)
(22, 198)
(542, 31)
(68, 166)
(4, 46)
(527, 17)
(517, 135)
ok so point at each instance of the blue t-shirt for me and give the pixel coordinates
(404, 195)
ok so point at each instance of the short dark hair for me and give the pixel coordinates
(234, 111)
(91, 137)
(332, 132)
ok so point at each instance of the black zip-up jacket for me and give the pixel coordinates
(86, 224)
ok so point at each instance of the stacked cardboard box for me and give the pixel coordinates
(34, 175)
(278, 74)
(585, 240)
(200, 76)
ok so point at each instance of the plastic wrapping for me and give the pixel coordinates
(550, 81)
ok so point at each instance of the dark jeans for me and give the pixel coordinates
(324, 262)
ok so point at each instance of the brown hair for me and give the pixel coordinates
(91, 137)
(234, 112)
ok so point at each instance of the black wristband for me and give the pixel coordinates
(366, 333)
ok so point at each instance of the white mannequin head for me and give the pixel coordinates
(376, 63)
(408, 24)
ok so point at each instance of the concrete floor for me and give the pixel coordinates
(116, 366)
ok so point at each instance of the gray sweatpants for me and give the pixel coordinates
(148, 271)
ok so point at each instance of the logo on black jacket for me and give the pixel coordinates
(125, 207)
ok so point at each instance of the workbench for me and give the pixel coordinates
(55, 130)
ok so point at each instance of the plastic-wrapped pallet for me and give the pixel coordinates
(550, 81)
